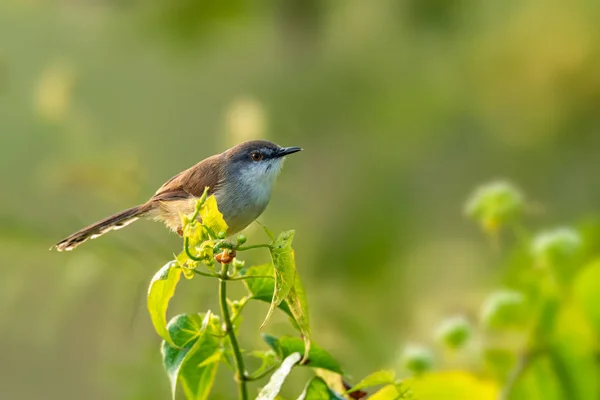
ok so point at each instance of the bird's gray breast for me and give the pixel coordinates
(241, 203)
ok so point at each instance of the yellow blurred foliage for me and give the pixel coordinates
(454, 385)
(53, 91)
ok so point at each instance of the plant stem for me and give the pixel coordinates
(209, 274)
(241, 278)
(522, 364)
(562, 374)
(254, 246)
(263, 374)
(239, 361)
(186, 245)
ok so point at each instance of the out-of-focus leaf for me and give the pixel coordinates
(382, 377)
(574, 354)
(587, 294)
(194, 363)
(538, 382)
(499, 362)
(452, 386)
(271, 390)
(398, 391)
(162, 288)
(212, 217)
(284, 268)
(317, 357)
(317, 389)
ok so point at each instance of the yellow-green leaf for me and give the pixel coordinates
(284, 268)
(162, 288)
(212, 217)
(397, 391)
(296, 301)
(382, 377)
(452, 386)
(195, 361)
(317, 389)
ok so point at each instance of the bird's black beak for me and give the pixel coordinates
(284, 151)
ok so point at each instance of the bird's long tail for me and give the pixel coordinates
(114, 222)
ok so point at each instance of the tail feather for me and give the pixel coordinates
(99, 228)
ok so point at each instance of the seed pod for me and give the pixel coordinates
(225, 257)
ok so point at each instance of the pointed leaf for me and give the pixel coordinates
(212, 217)
(382, 377)
(284, 268)
(162, 288)
(317, 357)
(262, 288)
(317, 389)
(195, 362)
(271, 390)
(298, 305)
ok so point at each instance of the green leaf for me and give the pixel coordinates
(586, 293)
(212, 217)
(285, 270)
(162, 288)
(194, 364)
(317, 389)
(317, 357)
(271, 390)
(262, 288)
(382, 377)
(298, 305)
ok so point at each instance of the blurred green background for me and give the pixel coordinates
(402, 107)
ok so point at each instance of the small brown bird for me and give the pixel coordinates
(241, 179)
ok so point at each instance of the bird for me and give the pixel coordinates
(241, 179)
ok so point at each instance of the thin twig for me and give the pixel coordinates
(240, 278)
(254, 246)
(523, 363)
(239, 360)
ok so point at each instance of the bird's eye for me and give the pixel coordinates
(256, 156)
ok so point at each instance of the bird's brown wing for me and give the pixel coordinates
(191, 182)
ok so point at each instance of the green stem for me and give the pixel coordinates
(562, 374)
(240, 278)
(255, 377)
(239, 361)
(209, 274)
(254, 246)
(522, 364)
(186, 245)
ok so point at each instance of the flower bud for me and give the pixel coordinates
(221, 235)
(454, 332)
(503, 309)
(556, 245)
(417, 359)
(495, 204)
(241, 239)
